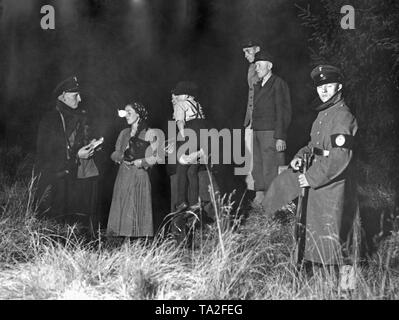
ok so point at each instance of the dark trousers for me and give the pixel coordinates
(266, 159)
(178, 224)
(69, 200)
(84, 204)
(188, 173)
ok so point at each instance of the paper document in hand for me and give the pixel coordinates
(95, 143)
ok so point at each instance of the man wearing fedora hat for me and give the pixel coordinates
(331, 200)
(270, 120)
(67, 187)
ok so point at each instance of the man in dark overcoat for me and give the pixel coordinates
(270, 120)
(67, 174)
(331, 203)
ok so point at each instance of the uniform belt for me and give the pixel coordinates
(321, 152)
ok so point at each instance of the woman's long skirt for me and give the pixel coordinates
(131, 209)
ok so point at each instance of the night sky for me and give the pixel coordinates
(138, 49)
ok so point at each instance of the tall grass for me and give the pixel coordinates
(230, 260)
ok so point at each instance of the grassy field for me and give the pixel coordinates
(42, 260)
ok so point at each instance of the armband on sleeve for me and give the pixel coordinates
(342, 141)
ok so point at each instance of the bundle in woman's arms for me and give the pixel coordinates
(136, 150)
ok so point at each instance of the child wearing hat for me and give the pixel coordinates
(188, 114)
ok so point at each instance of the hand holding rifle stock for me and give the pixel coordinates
(298, 164)
(300, 228)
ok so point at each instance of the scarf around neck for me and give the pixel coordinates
(71, 116)
(333, 101)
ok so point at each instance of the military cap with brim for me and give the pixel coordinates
(70, 84)
(186, 87)
(324, 74)
(263, 56)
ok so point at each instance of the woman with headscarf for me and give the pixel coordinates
(131, 209)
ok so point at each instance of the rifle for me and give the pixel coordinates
(300, 227)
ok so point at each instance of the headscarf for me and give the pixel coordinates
(141, 110)
(143, 116)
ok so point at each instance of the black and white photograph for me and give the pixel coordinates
(213, 151)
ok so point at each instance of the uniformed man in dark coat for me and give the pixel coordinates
(270, 120)
(67, 173)
(330, 207)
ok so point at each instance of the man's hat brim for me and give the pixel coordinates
(70, 84)
(185, 87)
(249, 43)
(263, 56)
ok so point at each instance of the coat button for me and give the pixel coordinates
(318, 132)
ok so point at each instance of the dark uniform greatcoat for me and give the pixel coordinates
(61, 194)
(331, 200)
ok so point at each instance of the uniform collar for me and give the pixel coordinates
(66, 110)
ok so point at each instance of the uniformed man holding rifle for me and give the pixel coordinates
(330, 210)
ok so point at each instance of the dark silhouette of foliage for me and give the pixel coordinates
(369, 58)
